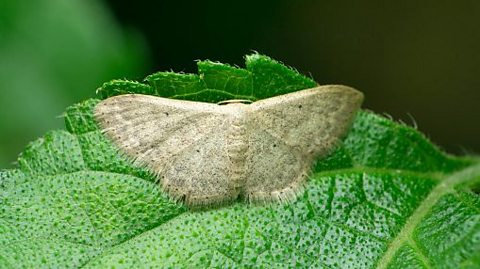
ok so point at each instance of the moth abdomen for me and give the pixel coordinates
(237, 149)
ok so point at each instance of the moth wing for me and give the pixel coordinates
(183, 142)
(289, 132)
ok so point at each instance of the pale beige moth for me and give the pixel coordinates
(207, 154)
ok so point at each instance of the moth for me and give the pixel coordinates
(207, 154)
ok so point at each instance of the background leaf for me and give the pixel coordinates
(53, 53)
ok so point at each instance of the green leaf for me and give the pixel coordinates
(385, 198)
(263, 78)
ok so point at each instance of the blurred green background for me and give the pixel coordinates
(412, 59)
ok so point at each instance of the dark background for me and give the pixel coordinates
(414, 60)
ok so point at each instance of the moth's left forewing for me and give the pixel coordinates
(183, 142)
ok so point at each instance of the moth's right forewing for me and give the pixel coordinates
(289, 132)
(310, 121)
